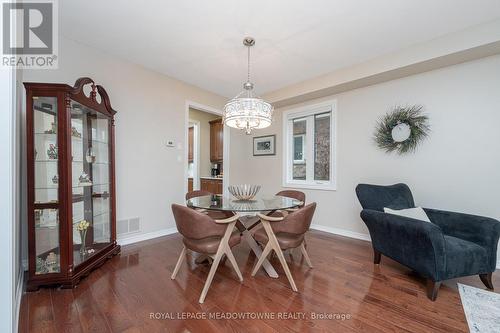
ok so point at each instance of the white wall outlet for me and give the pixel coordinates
(170, 143)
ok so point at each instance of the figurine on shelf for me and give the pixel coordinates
(40, 267)
(52, 152)
(90, 156)
(51, 262)
(55, 179)
(84, 179)
(75, 133)
(82, 227)
(52, 130)
(103, 195)
(49, 265)
(38, 216)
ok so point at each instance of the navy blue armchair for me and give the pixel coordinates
(453, 245)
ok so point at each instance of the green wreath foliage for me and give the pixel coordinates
(411, 115)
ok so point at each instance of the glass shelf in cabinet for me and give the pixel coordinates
(100, 141)
(47, 227)
(46, 203)
(48, 187)
(43, 133)
(83, 186)
(101, 213)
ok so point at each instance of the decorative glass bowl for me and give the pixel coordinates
(244, 192)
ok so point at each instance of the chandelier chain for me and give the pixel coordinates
(248, 64)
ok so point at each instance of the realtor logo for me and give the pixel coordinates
(29, 34)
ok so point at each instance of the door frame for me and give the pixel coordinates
(196, 152)
(226, 144)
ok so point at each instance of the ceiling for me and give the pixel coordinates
(200, 42)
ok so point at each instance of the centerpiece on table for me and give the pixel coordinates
(244, 192)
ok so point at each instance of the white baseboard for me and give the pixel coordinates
(341, 232)
(19, 296)
(351, 234)
(146, 236)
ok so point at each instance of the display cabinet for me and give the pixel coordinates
(70, 180)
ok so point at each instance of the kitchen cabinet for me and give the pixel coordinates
(211, 185)
(216, 141)
(190, 144)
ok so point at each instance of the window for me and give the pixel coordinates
(298, 148)
(309, 147)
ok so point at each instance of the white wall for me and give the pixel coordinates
(151, 109)
(456, 169)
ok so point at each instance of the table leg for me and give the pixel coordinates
(257, 250)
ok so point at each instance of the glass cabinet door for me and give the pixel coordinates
(90, 182)
(46, 181)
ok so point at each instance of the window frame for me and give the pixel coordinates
(308, 148)
(302, 161)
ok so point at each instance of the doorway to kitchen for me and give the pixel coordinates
(207, 147)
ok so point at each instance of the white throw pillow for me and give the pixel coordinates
(417, 213)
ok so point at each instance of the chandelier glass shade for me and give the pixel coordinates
(247, 111)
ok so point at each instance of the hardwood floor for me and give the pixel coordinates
(124, 293)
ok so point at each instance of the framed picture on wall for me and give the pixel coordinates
(264, 145)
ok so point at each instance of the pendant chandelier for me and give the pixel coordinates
(247, 111)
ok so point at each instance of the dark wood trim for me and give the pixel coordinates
(112, 179)
(432, 289)
(30, 181)
(376, 256)
(65, 188)
(486, 279)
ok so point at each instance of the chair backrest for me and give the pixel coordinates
(297, 222)
(377, 197)
(197, 193)
(297, 195)
(195, 225)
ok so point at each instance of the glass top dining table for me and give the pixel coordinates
(245, 224)
(258, 204)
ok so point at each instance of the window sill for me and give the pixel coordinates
(310, 186)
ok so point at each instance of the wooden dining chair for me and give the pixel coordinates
(202, 234)
(282, 233)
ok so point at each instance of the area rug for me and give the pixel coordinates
(482, 309)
